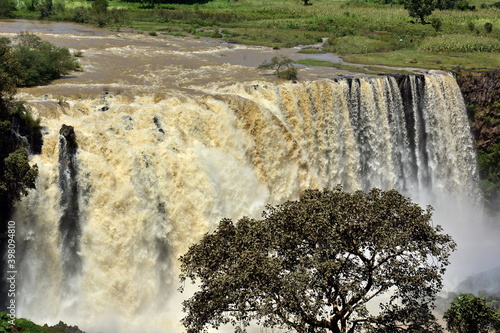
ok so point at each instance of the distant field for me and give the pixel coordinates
(363, 32)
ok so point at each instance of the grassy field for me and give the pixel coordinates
(362, 32)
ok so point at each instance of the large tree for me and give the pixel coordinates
(420, 9)
(313, 265)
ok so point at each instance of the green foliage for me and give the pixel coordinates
(312, 265)
(289, 73)
(7, 8)
(118, 17)
(80, 15)
(16, 175)
(22, 325)
(436, 23)
(10, 74)
(46, 9)
(488, 27)
(282, 65)
(28, 39)
(489, 169)
(471, 314)
(100, 12)
(41, 61)
(420, 9)
(100, 7)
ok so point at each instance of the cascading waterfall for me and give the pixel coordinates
(149, 178)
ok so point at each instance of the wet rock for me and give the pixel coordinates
(68, 132)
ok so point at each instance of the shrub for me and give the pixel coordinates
(7, 8)
(488, 27)
(471, 26)
(289, 73)
(469, 313)
(283, 66)
(41, 61)
(81, 15)
(436, 23)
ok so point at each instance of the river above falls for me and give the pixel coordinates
(132, 63)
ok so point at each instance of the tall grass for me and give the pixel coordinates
(460, 43)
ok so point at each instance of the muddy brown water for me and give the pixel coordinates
(133, 63)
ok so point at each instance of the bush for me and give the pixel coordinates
(81, 15)
(488, 27)
(283, 66)
(289, 73)
(7, 8)
(436, 23)
(41, 61)
(469, 313)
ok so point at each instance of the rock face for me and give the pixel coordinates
(68, 132)
(481, 91)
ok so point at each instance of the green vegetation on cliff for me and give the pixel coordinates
(29, 62)
(16, 175)
(481, 92)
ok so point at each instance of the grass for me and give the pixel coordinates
(420, 59)
(460, 43)
(361, 30)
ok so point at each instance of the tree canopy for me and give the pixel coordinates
(312, 265)
(471, 314)
(420, 9)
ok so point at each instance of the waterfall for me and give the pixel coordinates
(101, 234)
